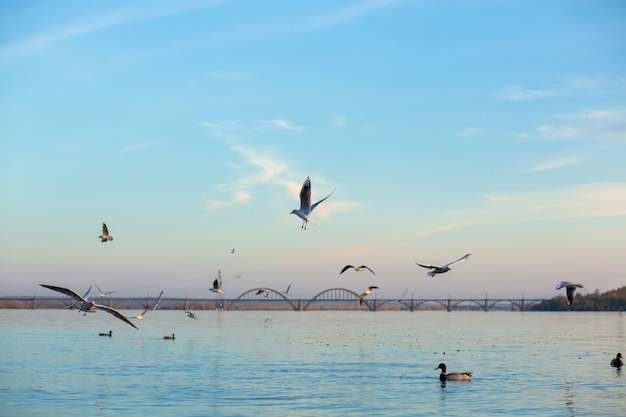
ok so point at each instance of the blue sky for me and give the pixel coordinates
(496, 128)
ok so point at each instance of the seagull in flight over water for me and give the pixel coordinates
(217, 284)
(103, 294)
(358, 269)
(287, 290)
(191, 315)
(367, 292)
(305, 204)
(263, 291)
(88, 305)
(570, 289)
(105, 234)
(442, 269)
(147, 307)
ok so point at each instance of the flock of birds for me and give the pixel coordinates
(86, 305)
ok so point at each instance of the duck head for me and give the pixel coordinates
(441, 366)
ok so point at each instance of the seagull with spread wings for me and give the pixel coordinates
(88, 305)
(356, 268)
(105, 237)
(570, 289)
(103, 294)
(367, 292)
(305, 204)
(217, 284)
(444, 268)
(147, 307)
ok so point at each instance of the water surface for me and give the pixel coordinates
(314, 363)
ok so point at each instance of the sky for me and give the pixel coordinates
(490, 127)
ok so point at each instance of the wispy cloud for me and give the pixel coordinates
(554, 164)
(258, 169)
(587, 125)
(519, 93)
(79, 27)
(577, 202)
(349, 13)
(599, 83)
(581, 201)
(278, 124)
(122, 151)
(340, 121)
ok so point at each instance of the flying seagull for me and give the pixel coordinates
(442, 269)
(191, 315)
(217, 284)
(357, 268)
(287, 290)
(147, 307)
(305, 204)
(263, 291)
(403, 294)
(367, 292)
(570, 289)
(103, 294)
(88, 305)
(73, 304)
(105, 234)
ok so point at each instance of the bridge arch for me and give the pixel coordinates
(251, 295)
(337, 294)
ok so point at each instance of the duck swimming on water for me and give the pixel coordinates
(453, 376)
(617, 362)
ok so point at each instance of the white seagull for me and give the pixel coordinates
(103, 294)
(367, 292)
(357, 268)
(442, 269)
(88, 305)
(570, 289)
(263, 291)
(147, 307)
(217, 284)
(305, 204)
(105, 234)
(191, 315)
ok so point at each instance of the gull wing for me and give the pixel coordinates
(305, 196)
(315, 205)
(345, 268)
(562, 284)
(427, 266)
(87, 293)
(115, 313)
(102, 294)
(461, 259)
(368, 268)
(373, 288)
(158, 301)
(65, 291)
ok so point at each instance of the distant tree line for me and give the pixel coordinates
(613, 300)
